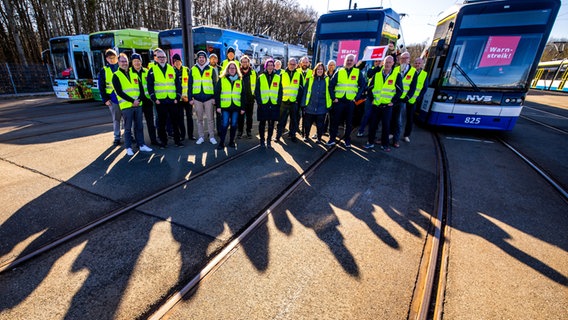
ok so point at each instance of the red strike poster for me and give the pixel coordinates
(346, 47)
(499, 51)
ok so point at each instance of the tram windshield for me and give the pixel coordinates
(61, 61)
(343, 33)
(490, 54)
(492, 61)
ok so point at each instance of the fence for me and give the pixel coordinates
(18, 79)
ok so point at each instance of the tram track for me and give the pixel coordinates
(427, 300)
(428, 297)
(547, 125)
(555, 183)
(222, 254)
(12, 263)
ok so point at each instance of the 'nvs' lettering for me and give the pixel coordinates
(477, 98)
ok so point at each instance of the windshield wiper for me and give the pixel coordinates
(465, 76)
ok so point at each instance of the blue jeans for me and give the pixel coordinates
(396, 124)
(116, 117)
(133, 117)
(226, 117)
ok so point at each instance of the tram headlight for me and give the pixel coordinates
(509, 100)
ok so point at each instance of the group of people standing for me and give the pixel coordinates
(323, 96)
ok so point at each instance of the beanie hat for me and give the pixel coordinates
(213, 55)
(176, 57)
(201, 53)
(267, 61)
(136, 56)
(231, 49)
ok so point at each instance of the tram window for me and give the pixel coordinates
(82, 65)
(506, 19)
(145, 57)
(61, 63)
(128, 52)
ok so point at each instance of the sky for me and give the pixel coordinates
(421, 15)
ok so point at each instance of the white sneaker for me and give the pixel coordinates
(407, 139)
(129, 151)
(212, 140)
(145, 148)
(199, 141)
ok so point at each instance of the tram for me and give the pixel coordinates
(216, 40)
(126, 40)
(481, 61)
(71, 64)
(343, 32)
(551, 76)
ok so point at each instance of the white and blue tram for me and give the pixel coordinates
(481, 62)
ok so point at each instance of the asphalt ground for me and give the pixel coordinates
(345, 245)
(508, 248)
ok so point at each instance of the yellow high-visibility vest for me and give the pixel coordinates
(202, 82)
(184, 80)
(252, 80)
(144, 73)
(226, 62)
(347, 86)
(406, 80)
(290, 87)
(108, 80)
(230, 93)
(384, 89)
(164, 85)
(419, 85)
(269, 92)
(130, 87)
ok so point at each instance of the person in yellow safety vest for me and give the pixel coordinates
(407, 73)
(107, 93)
(165, 90)
(268, 94)
(307, 73)
(421, 77)
(304, 67)
(129, 91)
(292, 92)
(277, 67)
(387, 90)
(316, 102)
(229, 102)
(346, 87)
(377, 65)
(330, 68)
(202, 96)
(214, 63)
(147, 104)
(230, 57)
(331, 65)
(249, 85)
(185, 108)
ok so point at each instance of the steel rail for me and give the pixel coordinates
(220, 257)
(9, 264)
